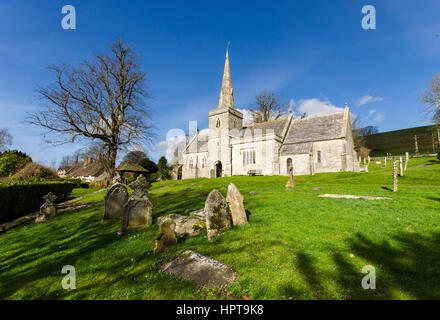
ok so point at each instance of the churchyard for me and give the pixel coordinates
(296, 245)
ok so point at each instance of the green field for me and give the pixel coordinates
(400, 141)
(296, 246)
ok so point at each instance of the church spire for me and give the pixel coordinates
(226, 99)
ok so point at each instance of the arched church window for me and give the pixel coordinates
(217, 125)
(319, 156)
(190, 163)
(235, 123)
(253, 157)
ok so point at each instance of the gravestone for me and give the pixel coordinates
(138, 209)
(369, 159)
(191, 226)
(395, 176)
(167, 236)
(406, 160)
(114, 201)
(218, 214)
(235, 201)
(401, 166)
(48, 209)
(204, 271)
(385, 162)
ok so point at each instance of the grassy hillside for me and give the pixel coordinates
(400, 141)
(296, 246)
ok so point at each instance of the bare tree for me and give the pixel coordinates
(101, 100)
(431, 98)
(356, 127)
(267, 107)
(5, 139)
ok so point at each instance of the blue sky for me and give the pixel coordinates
(313, 53)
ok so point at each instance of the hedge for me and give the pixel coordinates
(19, 199)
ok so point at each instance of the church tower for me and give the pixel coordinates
(223, 122)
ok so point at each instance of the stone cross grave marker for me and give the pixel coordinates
(48, 209)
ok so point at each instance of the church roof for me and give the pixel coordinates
(297, 148)
(201, 146)
(317, 128)
(276, 125)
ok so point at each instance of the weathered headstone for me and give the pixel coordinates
(48, 209)
(406, 160)
(218, 214)
(395, 176)
(385, 162)
(369, 159)
(204, 271)
(192, 225)
(366, 168)
(138, 209)
(235, 201)
(167, 236)
(416, 146)
(114, 201)
(401, 166)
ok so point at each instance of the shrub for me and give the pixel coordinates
(19, 199)
(11, 161)
(35, 172)
(76, 182)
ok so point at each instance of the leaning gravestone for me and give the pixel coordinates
(235, 201)
(191, 226)
(218, 215)
(48, 209)
(138, 209)
(204, 271)
(114, 201)
(167, 236)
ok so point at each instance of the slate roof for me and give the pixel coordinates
(93, 169)
(318, 128)
(276, 125)
(202, 144)
(297, 148)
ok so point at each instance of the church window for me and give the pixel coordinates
(217, 125)
(249, 157)
(235, 123)
(203, 162)
(190, 163)
(319, 156)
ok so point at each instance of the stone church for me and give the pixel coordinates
(309, 145)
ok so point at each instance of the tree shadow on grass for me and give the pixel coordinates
(411, 264)
(408, 264)
(80, 240)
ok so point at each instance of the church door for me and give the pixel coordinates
(218, 169)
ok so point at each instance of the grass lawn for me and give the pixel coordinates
(296, 246)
